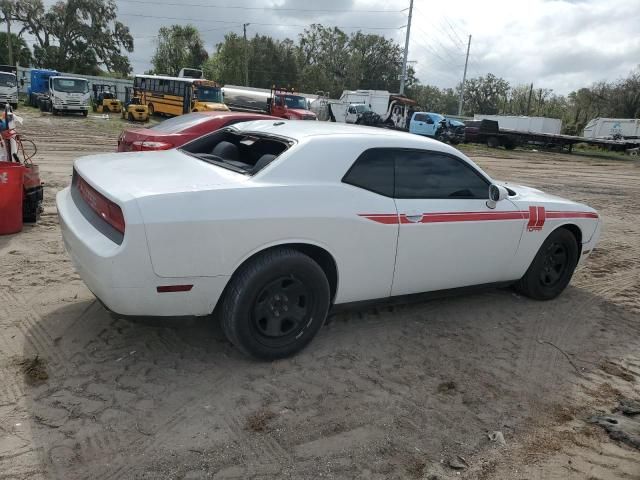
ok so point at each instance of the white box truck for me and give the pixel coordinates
(66, 95)
(612, 128)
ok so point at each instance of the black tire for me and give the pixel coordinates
(54, 111)
(151, 109)
(552, 268)
(257, 309)
(130, 117)
(493, 142)
(85, 113)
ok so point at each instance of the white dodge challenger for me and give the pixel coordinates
(267, 224)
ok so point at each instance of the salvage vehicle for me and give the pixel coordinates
(66, 95)
(437, 126)
(133, 109)
(268, 224)
(394, 110)
(8, 86)
(105, 98)
(177, 131)
(173, 96)
(39, 85)
(277, 102)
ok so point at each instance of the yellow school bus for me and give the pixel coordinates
(178, 95)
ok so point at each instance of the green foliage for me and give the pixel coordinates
(76, 35)
(324, 59)
(178, 47)
(21, 53)
(434, 99)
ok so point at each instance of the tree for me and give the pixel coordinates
(227, 64)
(21, 53)
(485, 94)
(434, 99)
(76, 35)
(178, 47)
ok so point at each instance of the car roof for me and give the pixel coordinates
(298, 129)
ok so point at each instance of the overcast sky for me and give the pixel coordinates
(556, 44)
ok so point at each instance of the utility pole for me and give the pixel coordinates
(406, 49)
(6, 12)
(246, 55)
(464, 78)
(529, 101)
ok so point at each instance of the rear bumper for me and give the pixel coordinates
(121, 276)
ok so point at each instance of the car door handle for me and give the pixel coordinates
(414, 217)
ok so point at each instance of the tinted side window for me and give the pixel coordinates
(373, 171)
(420, 117)
(435, 175)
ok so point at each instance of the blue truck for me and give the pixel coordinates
(39, 85)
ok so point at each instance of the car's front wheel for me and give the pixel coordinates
(552, 268)
(275, 304)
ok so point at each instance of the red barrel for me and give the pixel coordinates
(11, 180)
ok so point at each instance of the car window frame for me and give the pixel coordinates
(394, 196)
(445, 154)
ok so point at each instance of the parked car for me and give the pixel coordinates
(268, 224)
(437, 126)
(177, 131)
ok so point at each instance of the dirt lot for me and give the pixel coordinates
(404, 392)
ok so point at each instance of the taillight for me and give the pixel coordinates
(105, 208)
(143, 145)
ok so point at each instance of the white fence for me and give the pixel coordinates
(24, 73)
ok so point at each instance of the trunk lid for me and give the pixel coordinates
(125, 176)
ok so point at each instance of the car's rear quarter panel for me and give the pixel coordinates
(212, 232)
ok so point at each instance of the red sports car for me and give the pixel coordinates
(179, 130)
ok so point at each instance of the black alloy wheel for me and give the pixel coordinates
(552, 268)
(281, 308)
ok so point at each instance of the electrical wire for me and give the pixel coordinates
(277, 9)
(142, 15)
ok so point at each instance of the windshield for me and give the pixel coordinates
(7, 80)
(71, 85)
(362, 108)
(209, 94)
(294, 101)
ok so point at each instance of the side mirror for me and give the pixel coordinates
(496, 193)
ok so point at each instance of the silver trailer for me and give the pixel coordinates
(246, 99)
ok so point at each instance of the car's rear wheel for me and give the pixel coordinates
(275, 304)
(552, 268)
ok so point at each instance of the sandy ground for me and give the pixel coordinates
(402, 392)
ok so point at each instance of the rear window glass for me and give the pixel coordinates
(180, 123)
(240, 152)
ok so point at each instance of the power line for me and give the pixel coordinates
(235, 22)
(281, 9)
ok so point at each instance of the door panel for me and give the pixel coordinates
(454, 243)
(448, 236)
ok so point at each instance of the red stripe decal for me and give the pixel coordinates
(533, 218)
(470, 216)
(387, 219)
(536, 216)
(572, 215)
